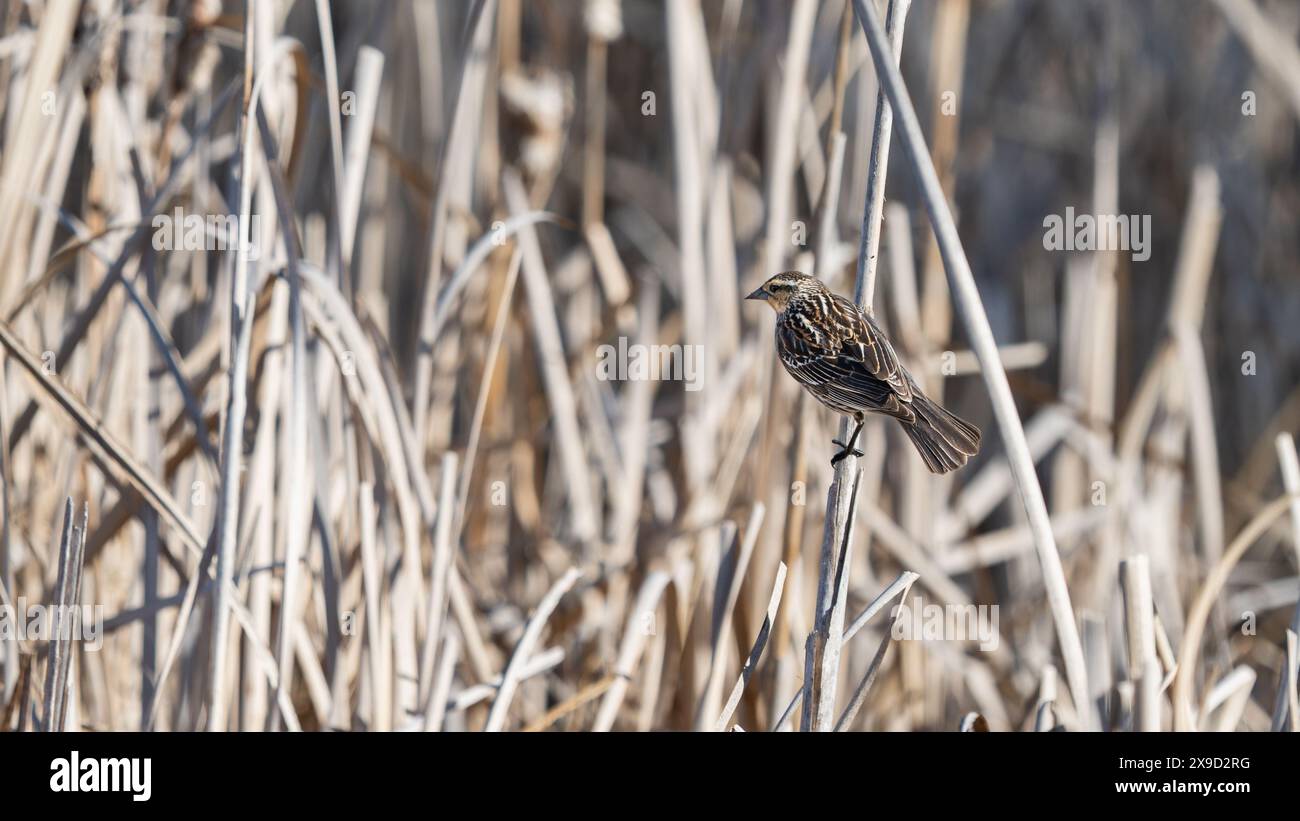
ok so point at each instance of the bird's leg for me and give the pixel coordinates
(845, 450)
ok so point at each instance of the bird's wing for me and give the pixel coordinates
(862, 342)
(816, 355)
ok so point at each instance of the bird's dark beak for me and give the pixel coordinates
(759, 293)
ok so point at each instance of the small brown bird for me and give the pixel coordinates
(838, 352)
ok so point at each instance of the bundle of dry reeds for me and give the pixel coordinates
(384, 366)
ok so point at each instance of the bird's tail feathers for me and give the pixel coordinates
(944, 441)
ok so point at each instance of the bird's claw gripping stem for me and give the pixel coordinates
(844, 452)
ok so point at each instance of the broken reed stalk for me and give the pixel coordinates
(823, 655)
(1139, 619)
(899, 585)
(59, 648)
(755, 653)
(724, 607)
(860, 693)
(71, 616)
(970, 306)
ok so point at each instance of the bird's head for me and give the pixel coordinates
(780, 289)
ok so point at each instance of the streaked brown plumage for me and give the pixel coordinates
(838, 352)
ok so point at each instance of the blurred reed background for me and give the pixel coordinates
(374, 477)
